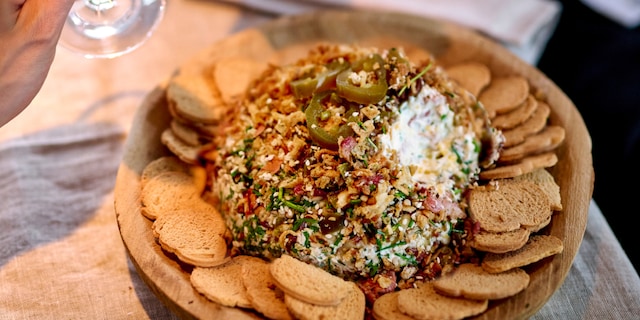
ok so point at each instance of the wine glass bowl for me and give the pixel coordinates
(110, 28)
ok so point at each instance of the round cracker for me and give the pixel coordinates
(425, 303)
(471, 75)
(504, 94)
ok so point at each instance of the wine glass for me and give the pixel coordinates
(110, 28)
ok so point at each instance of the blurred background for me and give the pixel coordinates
(595, 60)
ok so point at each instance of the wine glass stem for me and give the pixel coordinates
(99, 5)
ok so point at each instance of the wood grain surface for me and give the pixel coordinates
(289, 38)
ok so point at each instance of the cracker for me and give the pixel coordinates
(525, 165)
(232, 76)
(184, 151)
(471, 75)
(185, 133)
(386, 308)
(425, 303)
(195, 235)
(161, 165)
(352, 306)
(308, 283)
(537, 248)
(548, 139)
(504, 94)
(532, 125)
(264, 295)
(500, 242)
(508, 206)
(223, 284)
(168, 191)
(517, 116)
(471, 281)
(193, 96)
(547, 182)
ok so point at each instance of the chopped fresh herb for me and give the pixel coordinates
(414, 79)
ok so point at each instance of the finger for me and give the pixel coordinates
(9, 10)
(44, 18)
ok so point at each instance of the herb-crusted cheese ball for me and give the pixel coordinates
(355, 160)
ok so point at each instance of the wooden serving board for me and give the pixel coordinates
(289, 38)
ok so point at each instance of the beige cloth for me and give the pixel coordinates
(61, 256)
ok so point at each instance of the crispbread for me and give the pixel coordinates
(223, 284)
(536, 122)
(264, 295)
(184, 151)
(547, 182)
(516, 116)
(185, 133)
(504, 94)
(161, 165)
(471, 281)
(509, 206)
(232, 75)
(471, 75)
(195, 236)
(168, 191)
(351, 307)
(194, 97)
(499, 242)
(537, 248)
(425, 303)
(548, 139)
(386, 308)
(527, 164)
(308, 283)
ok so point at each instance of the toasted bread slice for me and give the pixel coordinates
(184, 151)
(386, 308)
(197, 236)
(223, 284)
(517, 116)
(264, 295)
(525, 165)
(161, 165)
(534, 124)
(308, 283)
(232, 76)
(509, 206)
(471, 75)
(352, 306)
(425, 302)
(471, 281)
(504, 94)
(500, 242)
(548, 139)
(537, 248)
(547, 182)
(193, 96)
(168, 191)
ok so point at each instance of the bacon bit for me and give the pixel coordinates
(373, 290)
(273, 166)
(259, 130)
(346, 146)
(298, 189)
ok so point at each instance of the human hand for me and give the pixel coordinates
(29, 32)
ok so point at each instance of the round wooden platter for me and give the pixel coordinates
(285, 40)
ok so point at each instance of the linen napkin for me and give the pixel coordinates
(523, 26)
(61, 255)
